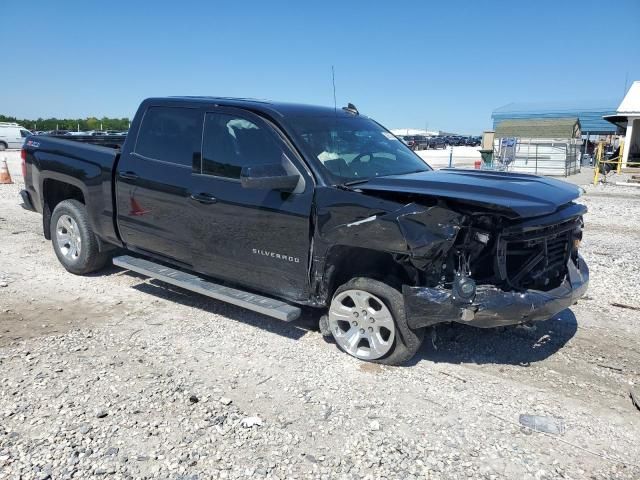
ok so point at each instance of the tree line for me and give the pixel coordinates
(73, 124)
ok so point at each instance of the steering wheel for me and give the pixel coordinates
(358, 158)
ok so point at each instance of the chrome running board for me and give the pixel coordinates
(251, 301)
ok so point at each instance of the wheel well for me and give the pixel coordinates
(6, 145)
(345, 263)
(54, 192)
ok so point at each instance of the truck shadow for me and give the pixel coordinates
(293, 330)
(454, 343)
(513, 345)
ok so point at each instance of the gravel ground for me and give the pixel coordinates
(116, 376)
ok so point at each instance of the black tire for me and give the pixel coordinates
(90, 259)
(407, 341)
(3, 146)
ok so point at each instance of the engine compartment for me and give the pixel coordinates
(501, 271)
(502, 253)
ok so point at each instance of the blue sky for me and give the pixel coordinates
(448, 64)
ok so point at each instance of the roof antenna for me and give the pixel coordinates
(333, 80)
(351, 108)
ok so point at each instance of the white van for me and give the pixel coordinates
(12, 135)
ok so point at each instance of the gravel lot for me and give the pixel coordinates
(113, 375)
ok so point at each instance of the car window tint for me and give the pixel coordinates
(170, 134)
(230, 143)
(24, 133)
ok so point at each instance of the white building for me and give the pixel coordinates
(628, 117)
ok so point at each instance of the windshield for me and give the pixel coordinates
(355, 148)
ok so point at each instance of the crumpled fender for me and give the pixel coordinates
(493, 307)
(422, 232)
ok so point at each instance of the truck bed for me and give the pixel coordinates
(111, 141)
(51, 161)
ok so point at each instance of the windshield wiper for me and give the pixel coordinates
(356, 182)
(414, 171)
(350, 183)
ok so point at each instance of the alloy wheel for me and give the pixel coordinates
(68, 237)
(361, 324)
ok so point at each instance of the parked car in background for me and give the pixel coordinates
(423, 142)
(409, 141)
(473, 141)
(104, 133)
(416, 142)
(12, 135)
(437, 142)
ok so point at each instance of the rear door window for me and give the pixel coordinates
(171, 134)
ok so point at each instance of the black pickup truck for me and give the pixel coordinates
(275, 206)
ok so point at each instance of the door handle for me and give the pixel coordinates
(205, 198)
(128, 175)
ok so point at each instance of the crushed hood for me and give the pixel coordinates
(516, 195)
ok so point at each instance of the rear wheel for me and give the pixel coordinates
(367, 321)
(3, 146)
(74, 242)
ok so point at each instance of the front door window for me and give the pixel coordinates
(230, 143)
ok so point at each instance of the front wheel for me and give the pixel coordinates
(368, 321)
(74, 243)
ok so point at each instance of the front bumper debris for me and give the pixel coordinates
(493, 307)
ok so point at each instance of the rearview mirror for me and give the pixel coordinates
(268, 177)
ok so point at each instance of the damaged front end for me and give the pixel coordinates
(485, 265)
(493, 307)
(504, 272)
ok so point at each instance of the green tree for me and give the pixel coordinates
(90, 123)
(93, 123)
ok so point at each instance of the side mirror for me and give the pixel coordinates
(268, 177)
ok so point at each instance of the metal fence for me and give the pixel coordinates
(538, 156)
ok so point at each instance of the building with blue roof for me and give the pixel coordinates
(589, 113)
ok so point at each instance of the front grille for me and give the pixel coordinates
(536, 259)
(558, 251)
